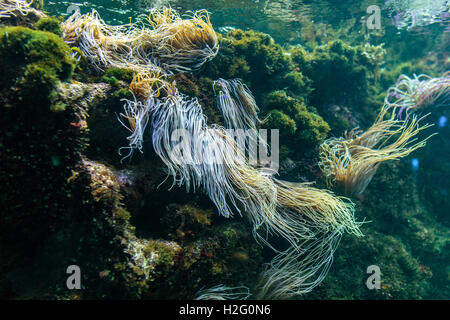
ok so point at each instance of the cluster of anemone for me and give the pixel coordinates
(350, 162)
(148, 84)
(419, 92)
(206, 157)
(18, 8)
(182, 44)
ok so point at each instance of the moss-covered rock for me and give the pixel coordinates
(135, 240)
(279, 120)
(255, 58)
(34, 62)
(112, 76)
(402, 275)
(342, 75)
(49, 24)
(300, 128)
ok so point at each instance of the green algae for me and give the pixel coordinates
(37, 62)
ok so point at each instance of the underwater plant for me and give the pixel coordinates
(350, 162)
(255, 58)
(340, 73)
(422, 91)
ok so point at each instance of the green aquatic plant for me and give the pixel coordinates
(296, 83)
(126, 75)
(259, 49)
(114, 76)
(299, 125)
(49, 24)
(312, 129)
(222, 292)
(336, 73)
(278, 119)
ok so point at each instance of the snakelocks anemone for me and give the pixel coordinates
(350, 162)
(237, 104)
(162, 42)
(207, 158)
(418, 93)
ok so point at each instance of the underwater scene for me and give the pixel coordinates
(225, 150)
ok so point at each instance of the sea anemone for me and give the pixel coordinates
(164, 43)
(237, 104)
(207, 157)
(350, 162)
